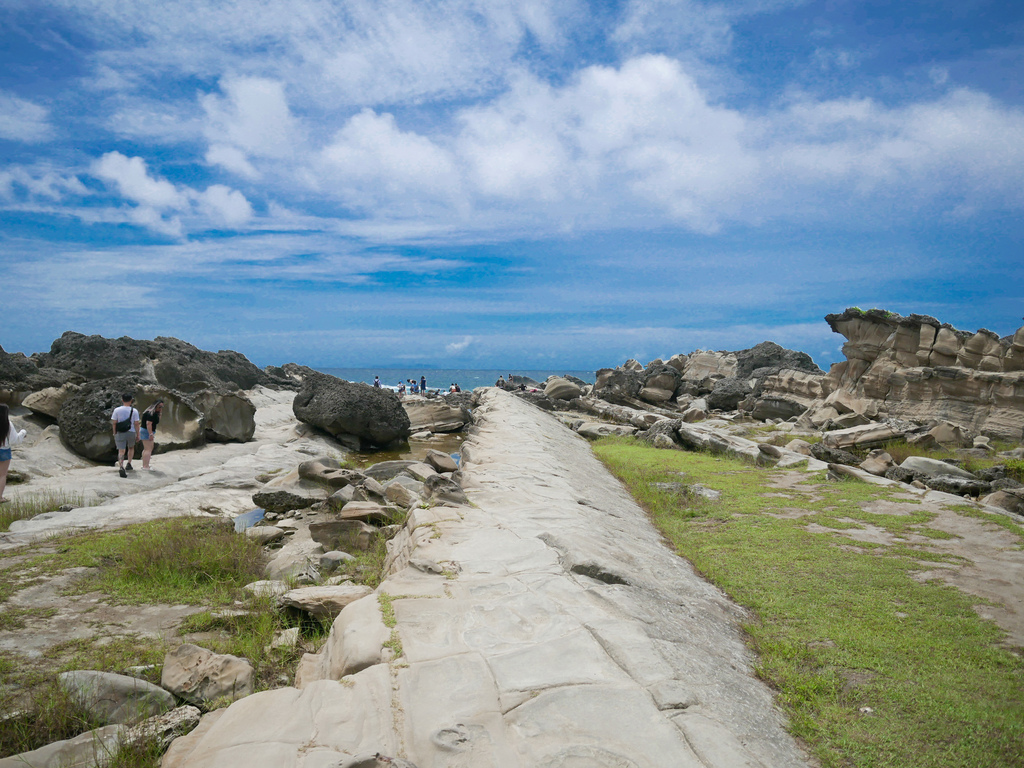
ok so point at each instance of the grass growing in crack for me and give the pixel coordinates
(28, 506)
(841, 624)
(248, 632)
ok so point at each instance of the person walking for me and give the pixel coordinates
(9, 437)
(124, 422)
(147, 433)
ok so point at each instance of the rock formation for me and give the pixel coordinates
(355, 414)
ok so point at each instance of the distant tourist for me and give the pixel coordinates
(147, 432)
(423, 384)
(500, 383)
(11, 438)
(457, 387)
(401, 388)
(414, 388)
(124, 421)
(452, 387)
(376, 381)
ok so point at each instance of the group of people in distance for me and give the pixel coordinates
(414, 387)
(128, 426)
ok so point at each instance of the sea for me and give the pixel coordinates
(442, 378)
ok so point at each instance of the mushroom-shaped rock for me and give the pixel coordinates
(351, 412)
(288, 492)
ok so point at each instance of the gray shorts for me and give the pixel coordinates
(124, 440)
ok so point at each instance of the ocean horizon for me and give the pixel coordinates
(442, 378)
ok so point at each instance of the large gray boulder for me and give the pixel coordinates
(352, 413)
(200, 676)
(560, 388)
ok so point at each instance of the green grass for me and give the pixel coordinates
(841, 624)
(187, 560)
(28, 506)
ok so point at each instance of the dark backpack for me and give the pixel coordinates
(124, 426)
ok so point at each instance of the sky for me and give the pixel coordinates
(506, 183)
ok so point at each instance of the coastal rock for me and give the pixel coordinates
(351, 412)
(559, 388)
(436, 415)
(618, 385)
(228, 417)
(921, 370)
(169, 362)
(442, 462)
(324, 602)
(922, 465)
(47, 402)
(727, 394)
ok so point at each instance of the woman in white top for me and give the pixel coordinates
(11, 437)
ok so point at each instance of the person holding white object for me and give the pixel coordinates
(11, 438)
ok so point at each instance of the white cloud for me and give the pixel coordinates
(226, 205)
(456, 347)
(132, 179)
(232, 159)
(371, 161)
(22, 120)
(40, 182)
(253, 116)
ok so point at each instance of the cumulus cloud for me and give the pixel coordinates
(159, 203)
(371, 160)
(22, 120)
(252, 115)
(226, 205)
(39, 181)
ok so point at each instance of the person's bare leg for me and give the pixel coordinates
(4, 465)
(147, 452)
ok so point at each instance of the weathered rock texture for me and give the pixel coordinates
(545, 625)
(351, 412)
(921, 370)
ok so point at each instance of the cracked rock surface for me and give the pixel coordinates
(556, 631)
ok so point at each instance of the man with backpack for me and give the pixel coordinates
(125, 422)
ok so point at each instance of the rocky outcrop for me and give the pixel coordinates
(84, 418)
(918, 369)
(166, 361)
(356, 414)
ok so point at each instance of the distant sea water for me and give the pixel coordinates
(443, 378)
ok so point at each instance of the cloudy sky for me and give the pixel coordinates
(506, 183)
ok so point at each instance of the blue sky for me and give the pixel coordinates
(506, 183)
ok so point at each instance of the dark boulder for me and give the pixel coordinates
(727, 394)
(618, 385)
(776, 408)
(166, 361)
(351, 412)
(822, 452)
(959, 486)
(769, 355)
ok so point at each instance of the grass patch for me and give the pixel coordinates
(28, 506)
(842, 626)
(187, 560)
